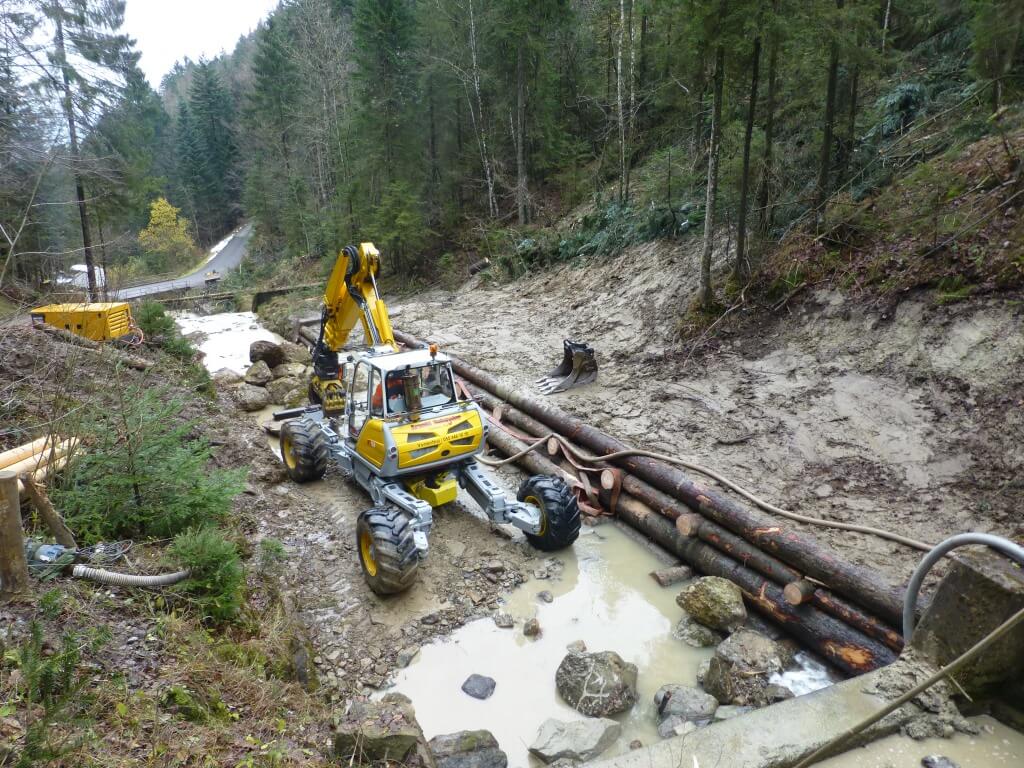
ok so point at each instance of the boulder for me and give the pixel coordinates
(714, 602)
(741, 667)
(250, 398)
(372, 731)
(298, 396)
(478, 686)
(531, 628)
(258, 374)
(270, 352)
(597, 684)
(295, 353)
(938, 761)
(225, 377)
(279, 389)
(579, 740)
(686, 702)
(694, 633)
(467, 749)
(288, 370)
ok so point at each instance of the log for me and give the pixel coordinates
(44, 457)
(847, 648)
(666, 577)
(844, 646)
(13, 566)
(799, 551)
(798, 592)
(23, 452)
(50, 516)
(689, 524)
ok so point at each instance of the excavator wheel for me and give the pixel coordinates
(560, 514)
(304, 450)
(386, 550)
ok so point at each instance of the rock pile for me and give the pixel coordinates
(279, 374)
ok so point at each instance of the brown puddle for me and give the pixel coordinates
(606, 598)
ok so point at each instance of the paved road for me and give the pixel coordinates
(229, 258)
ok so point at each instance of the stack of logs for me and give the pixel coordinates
(842, 611)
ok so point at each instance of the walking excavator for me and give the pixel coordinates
(395, 422)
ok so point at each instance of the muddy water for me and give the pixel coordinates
(605, 598)
(224, 337)
(996, 746)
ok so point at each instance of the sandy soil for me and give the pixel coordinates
(905, 415)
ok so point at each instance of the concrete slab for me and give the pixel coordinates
(776, 736)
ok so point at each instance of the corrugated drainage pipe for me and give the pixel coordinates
(998, 543)
(128, 579)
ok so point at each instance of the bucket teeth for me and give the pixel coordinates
(578, 367)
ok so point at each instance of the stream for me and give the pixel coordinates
(605, 597)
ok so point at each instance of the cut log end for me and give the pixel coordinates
(609, 479)
(799, 592)
(689, 525)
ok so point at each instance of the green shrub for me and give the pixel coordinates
(154, 321)
(54, 688)
(217, 580)
(141, 475)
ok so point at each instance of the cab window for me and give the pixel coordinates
(360, 399)
(435, 382)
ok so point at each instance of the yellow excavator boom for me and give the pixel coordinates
(352, 296)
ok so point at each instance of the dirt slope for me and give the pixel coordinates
(907, 417)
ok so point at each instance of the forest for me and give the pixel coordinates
(447, 130)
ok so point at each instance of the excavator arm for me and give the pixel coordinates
(351, 297)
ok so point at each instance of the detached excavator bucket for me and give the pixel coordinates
(578, 367)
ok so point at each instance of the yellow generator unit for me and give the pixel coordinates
(99, 322)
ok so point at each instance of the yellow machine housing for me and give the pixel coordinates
(102, 321)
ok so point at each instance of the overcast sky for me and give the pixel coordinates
(167, 32)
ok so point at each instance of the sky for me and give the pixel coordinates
(166, 32)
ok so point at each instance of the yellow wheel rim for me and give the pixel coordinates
(367, 553)
(288, 452)
(543, 515)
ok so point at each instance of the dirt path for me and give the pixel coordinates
(908, 418)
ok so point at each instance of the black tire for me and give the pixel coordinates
(560, 514)
(304, 450)
(387, 552)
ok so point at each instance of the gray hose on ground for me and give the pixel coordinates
(998, 543)
(765, 505)
(892, 706)
(112, 579)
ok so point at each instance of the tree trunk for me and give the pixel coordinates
(741, 270)
(620, 108)
(828, 124)
(520, 137)
(885, 22)
(478, 118)
(764, 202)
(13, 567)
(69, 114)
(707, 294)
(851, 126)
